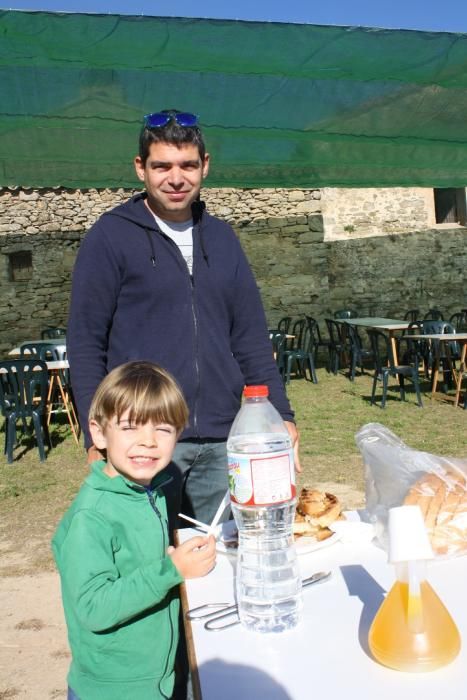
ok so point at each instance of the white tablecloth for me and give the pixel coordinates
(327, 654)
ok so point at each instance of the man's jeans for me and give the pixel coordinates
(200, 480)
(71, 695)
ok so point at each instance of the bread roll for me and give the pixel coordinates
(315, 511)
(443, 501)
(321, 508)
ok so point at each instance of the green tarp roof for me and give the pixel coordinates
(281, 105)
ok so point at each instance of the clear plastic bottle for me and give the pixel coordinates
(262, 485)
(412, 630)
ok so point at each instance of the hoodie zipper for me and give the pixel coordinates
(150, 495)
(193, 304)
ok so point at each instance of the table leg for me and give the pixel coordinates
(72, 419)
(393, 341)
(460, 374)
(435, 370)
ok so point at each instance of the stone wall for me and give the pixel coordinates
(385, 276)
(358, 212)
(298, 267)
(49, 224)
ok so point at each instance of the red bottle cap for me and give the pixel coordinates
(250, 392)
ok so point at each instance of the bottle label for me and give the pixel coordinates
(261, 478)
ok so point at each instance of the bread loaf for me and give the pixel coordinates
(443, 501)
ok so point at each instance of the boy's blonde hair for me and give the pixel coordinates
(147, 391)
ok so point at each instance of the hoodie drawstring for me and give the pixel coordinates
(151, 243)
(153, 251)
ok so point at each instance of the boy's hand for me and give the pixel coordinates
(195, 557)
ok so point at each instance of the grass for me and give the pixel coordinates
(33, 495)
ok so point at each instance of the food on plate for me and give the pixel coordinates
(316, 510)
(442, 499)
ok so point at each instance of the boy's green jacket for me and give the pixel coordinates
(118, 592)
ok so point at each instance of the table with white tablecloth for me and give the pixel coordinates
(327, 654)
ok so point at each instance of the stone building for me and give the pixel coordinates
(381, 251)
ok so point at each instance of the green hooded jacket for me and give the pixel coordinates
(118, 588)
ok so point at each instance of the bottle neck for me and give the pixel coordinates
(418, 568)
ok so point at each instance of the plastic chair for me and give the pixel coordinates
(302, 357)
(53, 332)
(414, 348)
(320, 341)
(297, 331)
(284, 324)
(433, 315)
(23, 395)
(412, 315)
(385, 367)
(459, 321)
(60, 394)
(278, 340)
(358, 354)
(440, 356)
(345, 313)
(337, 344)
(43, 351)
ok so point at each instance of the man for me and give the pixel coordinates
(159, 279)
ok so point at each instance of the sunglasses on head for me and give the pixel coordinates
(159, 119)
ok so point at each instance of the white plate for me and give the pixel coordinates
(305, 545)
(225, 532)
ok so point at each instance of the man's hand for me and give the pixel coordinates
(294, 434)
(195, 557)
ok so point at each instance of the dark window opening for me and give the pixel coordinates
(450, 206)
(20, 266)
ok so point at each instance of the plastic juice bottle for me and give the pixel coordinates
(412, 630)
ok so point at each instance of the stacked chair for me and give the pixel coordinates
(301, 357)
(385, 367)
(23, 397)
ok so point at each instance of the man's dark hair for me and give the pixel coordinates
(172, 133)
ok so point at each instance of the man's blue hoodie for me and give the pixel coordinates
(133, 298)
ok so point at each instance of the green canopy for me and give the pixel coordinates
(281, 105)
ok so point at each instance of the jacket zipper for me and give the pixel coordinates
(150, 495)
(193, 311)
(195, 355)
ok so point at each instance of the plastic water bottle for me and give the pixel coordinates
(263, 497)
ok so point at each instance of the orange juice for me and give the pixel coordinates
(413, 633)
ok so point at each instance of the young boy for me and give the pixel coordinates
(118, 574)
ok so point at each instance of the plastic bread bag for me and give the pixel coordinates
(395, 475)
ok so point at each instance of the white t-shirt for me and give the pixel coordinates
(182, 235)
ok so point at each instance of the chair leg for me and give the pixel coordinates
(311, 368)
(373, 390)
(288, 368)
(332, 362)
(335, 361)
(10, 436)
(401, 387)
(45, 432)
(385, 389)
(36, 418)
(416, 384)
